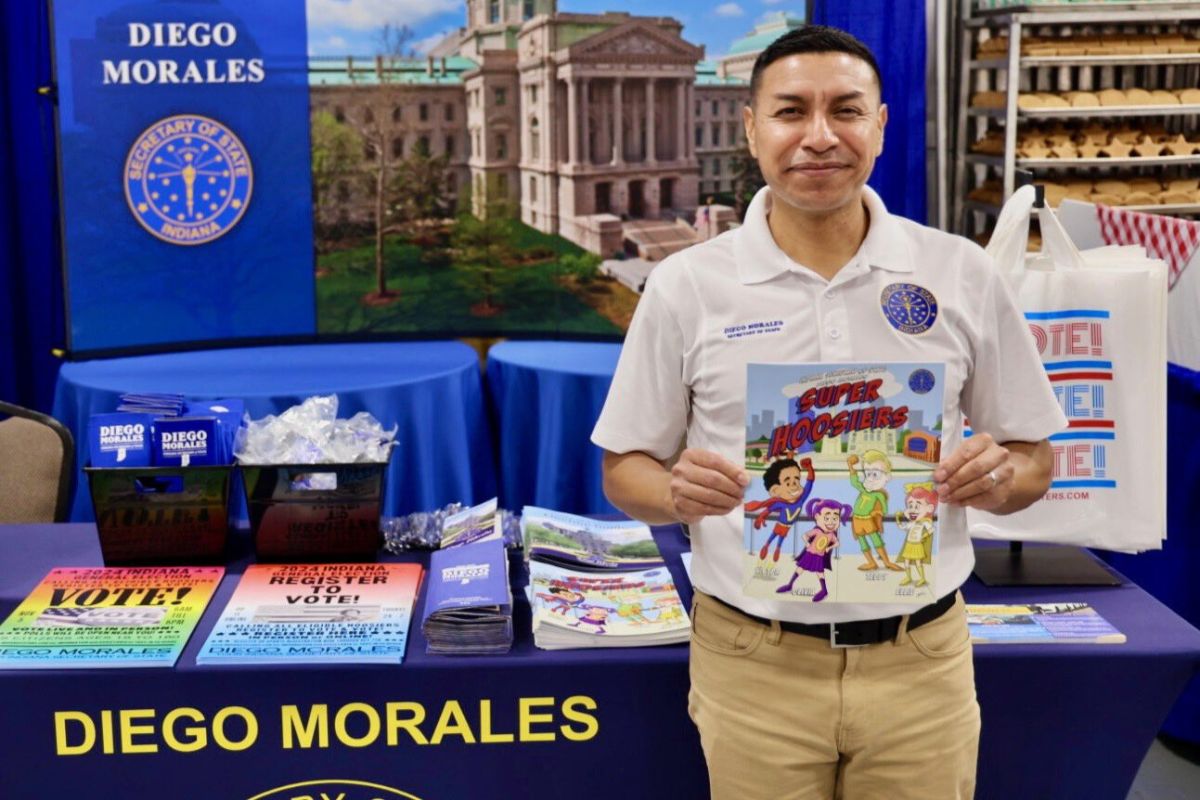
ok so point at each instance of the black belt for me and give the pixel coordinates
(862, 632)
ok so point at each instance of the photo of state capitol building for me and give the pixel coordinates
(601, 128)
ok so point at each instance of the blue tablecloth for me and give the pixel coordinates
(1059, 721)
(546, 397)
(1170, 574)
(431, 390)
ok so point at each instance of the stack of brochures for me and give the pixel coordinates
(468, 608)
(598, 584)
(316, 614)
(1040, 623)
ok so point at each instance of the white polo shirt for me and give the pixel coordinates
(682, 371)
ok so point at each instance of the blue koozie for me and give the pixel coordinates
(120, 440)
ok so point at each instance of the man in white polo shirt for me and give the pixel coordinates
(877, 704)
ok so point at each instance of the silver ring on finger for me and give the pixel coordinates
(994, 477)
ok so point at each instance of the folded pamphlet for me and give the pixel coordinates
(468, 609)
(479, 523)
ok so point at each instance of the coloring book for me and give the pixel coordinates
(575, 542)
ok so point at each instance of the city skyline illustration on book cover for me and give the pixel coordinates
(841, 505)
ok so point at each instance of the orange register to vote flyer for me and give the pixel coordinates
(316, 613)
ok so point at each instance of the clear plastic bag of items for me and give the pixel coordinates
(311, 433)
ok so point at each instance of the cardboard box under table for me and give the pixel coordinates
(161, 515)
(315, 512)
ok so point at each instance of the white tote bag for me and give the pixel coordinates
(1099, 320)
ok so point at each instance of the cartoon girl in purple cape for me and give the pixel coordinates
(827, 516)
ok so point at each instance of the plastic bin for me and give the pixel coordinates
(161, 515)
(338, 520)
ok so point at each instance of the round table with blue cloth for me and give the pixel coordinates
(546, 397)
(431, 390)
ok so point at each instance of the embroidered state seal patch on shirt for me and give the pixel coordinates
(909, 308)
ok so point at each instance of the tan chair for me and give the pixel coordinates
(37, 458)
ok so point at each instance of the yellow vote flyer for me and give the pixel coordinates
(107, 617)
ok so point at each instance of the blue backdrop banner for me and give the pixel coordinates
(185, 171)
(31, 298)
(894, 30)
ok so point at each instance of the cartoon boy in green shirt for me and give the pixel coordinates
(871, 507)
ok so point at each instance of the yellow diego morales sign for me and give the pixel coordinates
(144, 731)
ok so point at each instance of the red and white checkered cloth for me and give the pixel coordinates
(1171, 239)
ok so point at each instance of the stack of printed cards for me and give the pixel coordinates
(156, 403)
(155, 430)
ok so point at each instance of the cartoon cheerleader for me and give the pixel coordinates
(916, 521)
(783, 482)
(827, 516)
(669, 610)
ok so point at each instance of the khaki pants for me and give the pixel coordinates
(783, 716)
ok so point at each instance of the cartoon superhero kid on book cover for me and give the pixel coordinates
(841, 505)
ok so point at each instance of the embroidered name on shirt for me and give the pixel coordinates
(753, 329)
